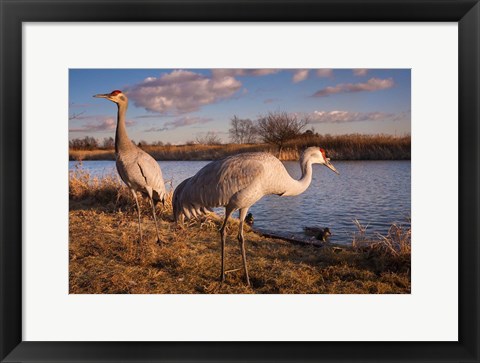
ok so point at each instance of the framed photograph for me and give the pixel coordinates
(211, 181)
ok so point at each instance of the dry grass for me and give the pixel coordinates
(106, 258)
(359, 147)
(106, 194)
(343, 147)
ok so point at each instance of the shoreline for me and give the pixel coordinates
(343, 147)
(105, 256)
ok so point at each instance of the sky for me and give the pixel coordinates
(179, 105)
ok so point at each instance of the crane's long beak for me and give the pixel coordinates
(100, 95)
(329, 165)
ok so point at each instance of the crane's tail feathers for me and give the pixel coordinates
(205, 210)
(194, 213)
(191, 211)
(159, 196)
(187, 213)
(156, 201)
(183, 206)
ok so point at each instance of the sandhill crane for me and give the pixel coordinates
(138, 170)
(239, 181)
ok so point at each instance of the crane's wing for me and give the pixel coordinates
(151, 172)
(216, 183)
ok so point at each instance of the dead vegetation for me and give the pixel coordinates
(106, 258)
(339, 147)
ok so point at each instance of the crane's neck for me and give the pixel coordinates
(122, 141)
(296, 187)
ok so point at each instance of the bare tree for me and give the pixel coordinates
(108, 143)
(74, 144)
(277, 128)
(242, 131)
(87, 143)
(210, 138)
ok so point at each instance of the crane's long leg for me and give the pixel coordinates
(228, 212)
(138, 210)
(159, 241)
(243, 214)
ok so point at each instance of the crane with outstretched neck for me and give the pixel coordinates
(138, 170)
(236, 183)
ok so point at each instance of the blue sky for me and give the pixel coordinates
(178, 105)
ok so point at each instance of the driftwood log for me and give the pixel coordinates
(289, 239)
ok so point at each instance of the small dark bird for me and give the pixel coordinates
(249, 219)
(321, 234)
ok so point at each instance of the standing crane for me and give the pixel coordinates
(236, 183)
(138, 170)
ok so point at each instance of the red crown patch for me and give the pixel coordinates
(323, 153)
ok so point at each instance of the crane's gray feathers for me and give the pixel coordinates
(152, 174)
(143, 173)
(138, 170)
(237, 182)
(228, 181)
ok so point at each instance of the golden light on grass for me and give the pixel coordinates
(105, 257)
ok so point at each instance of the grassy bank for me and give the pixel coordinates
(343, 147)
(106, 258)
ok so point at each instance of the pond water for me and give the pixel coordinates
(377, 193)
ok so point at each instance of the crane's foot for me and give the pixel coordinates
(247, 278)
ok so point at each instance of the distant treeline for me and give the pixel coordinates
(340, 147)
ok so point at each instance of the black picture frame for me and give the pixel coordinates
(13, 13)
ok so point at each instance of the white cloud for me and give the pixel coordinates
(235, 72)
(300, 75)
(101, 124)
(348, 116)
(180, 122)
(181, 91)
(360, 72)
(324, 72)
(373, 84)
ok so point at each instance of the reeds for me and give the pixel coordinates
(397, 241)
(392, 250)
(342, 147)
(107, 193)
